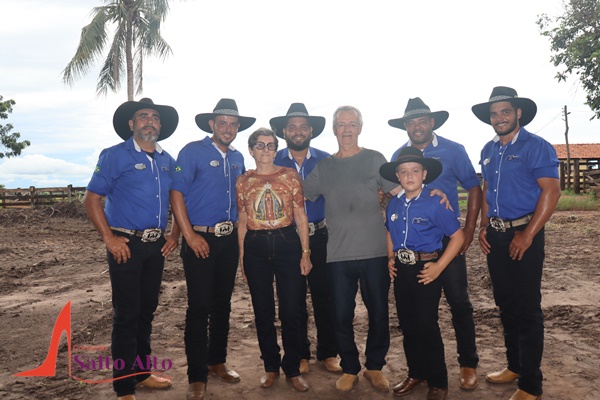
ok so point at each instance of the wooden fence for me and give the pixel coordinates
(35, 197)
(583, 176)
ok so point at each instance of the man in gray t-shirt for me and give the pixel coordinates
(349, 181)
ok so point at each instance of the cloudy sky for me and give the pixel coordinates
(266, 54)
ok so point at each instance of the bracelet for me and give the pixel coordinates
(306, 251)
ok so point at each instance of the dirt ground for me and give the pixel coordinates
(51, 256)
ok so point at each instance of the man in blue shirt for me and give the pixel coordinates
(135, 177)
(420, 124)
(298, 129)
(204, 204)
(520, 192)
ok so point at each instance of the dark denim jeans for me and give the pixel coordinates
(268, 255)
(517, 292)
(374, 281)
(135, 288)
(210, 283)
(319, 281)
(417, 307)
(454, 283)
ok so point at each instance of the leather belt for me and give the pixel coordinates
(410, 257)
(313, 227)
(501, 225)
(220, 229)
(147, 235)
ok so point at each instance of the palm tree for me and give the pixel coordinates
(137, 34)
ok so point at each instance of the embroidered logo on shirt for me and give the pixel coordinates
(235, 166)
(215, 163)
(140, 166)
(165, 168)
(420, 221)
(178, 168)
(394, 217)
(512, 157)
(486, 161)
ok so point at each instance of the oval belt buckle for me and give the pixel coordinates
(151, 235)
(407, 257)
(223, 228)
(497, 224)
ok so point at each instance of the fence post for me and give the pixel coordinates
(561, 175)
(70, 192)
(32, 196)
(576, 177)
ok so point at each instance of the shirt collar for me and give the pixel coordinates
(137, 147)
(311, 153)
(497, 138)
(434, 141)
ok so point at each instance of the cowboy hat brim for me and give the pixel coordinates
(202, 121)
(317, 124)
(433, 167)
(169, 119)
(440, 117)
(527, 106)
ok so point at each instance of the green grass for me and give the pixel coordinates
(569, 201)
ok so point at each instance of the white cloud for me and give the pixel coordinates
(42, 171)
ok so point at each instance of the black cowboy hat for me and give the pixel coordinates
(502, 93)
(168, 117)
(297, 110)
(411, 154)
(417, 108)
(224, 107)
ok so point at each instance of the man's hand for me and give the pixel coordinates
(117, 246)
(170, 246)
(483, 243)
(444, 199)
(468, 234)
(519, 245)
(199, 246)
(392, 267)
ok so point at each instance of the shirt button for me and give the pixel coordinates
(403, 231)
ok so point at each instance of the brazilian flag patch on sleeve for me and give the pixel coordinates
(178, 168)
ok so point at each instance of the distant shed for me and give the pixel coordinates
(585, 166)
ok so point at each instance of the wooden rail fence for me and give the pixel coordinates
(35, 197)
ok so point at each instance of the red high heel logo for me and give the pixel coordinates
(63, 324)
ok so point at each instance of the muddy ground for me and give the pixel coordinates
(51, 256)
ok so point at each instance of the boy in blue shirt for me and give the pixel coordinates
(416, 224)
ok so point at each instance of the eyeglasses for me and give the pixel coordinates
(261, 146)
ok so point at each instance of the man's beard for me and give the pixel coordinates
(297, 147)
(511, 128)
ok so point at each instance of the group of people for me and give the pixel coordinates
(306, 219)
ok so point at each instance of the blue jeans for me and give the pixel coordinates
(319, 281)
(417, 307)
(275, 254)
(454, 283)
(374, 279)
(517, 292)
(210, 283)
(135, 287)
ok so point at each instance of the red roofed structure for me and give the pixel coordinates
(585, 163)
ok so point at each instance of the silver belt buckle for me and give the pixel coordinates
(311, 228)
(497, 224)
(151, 235)
(406, 256)
(223, 228)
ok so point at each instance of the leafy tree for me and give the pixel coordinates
(136, 26)
(11, 147)
(575, 44)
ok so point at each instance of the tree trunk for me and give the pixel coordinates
(129, 51)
